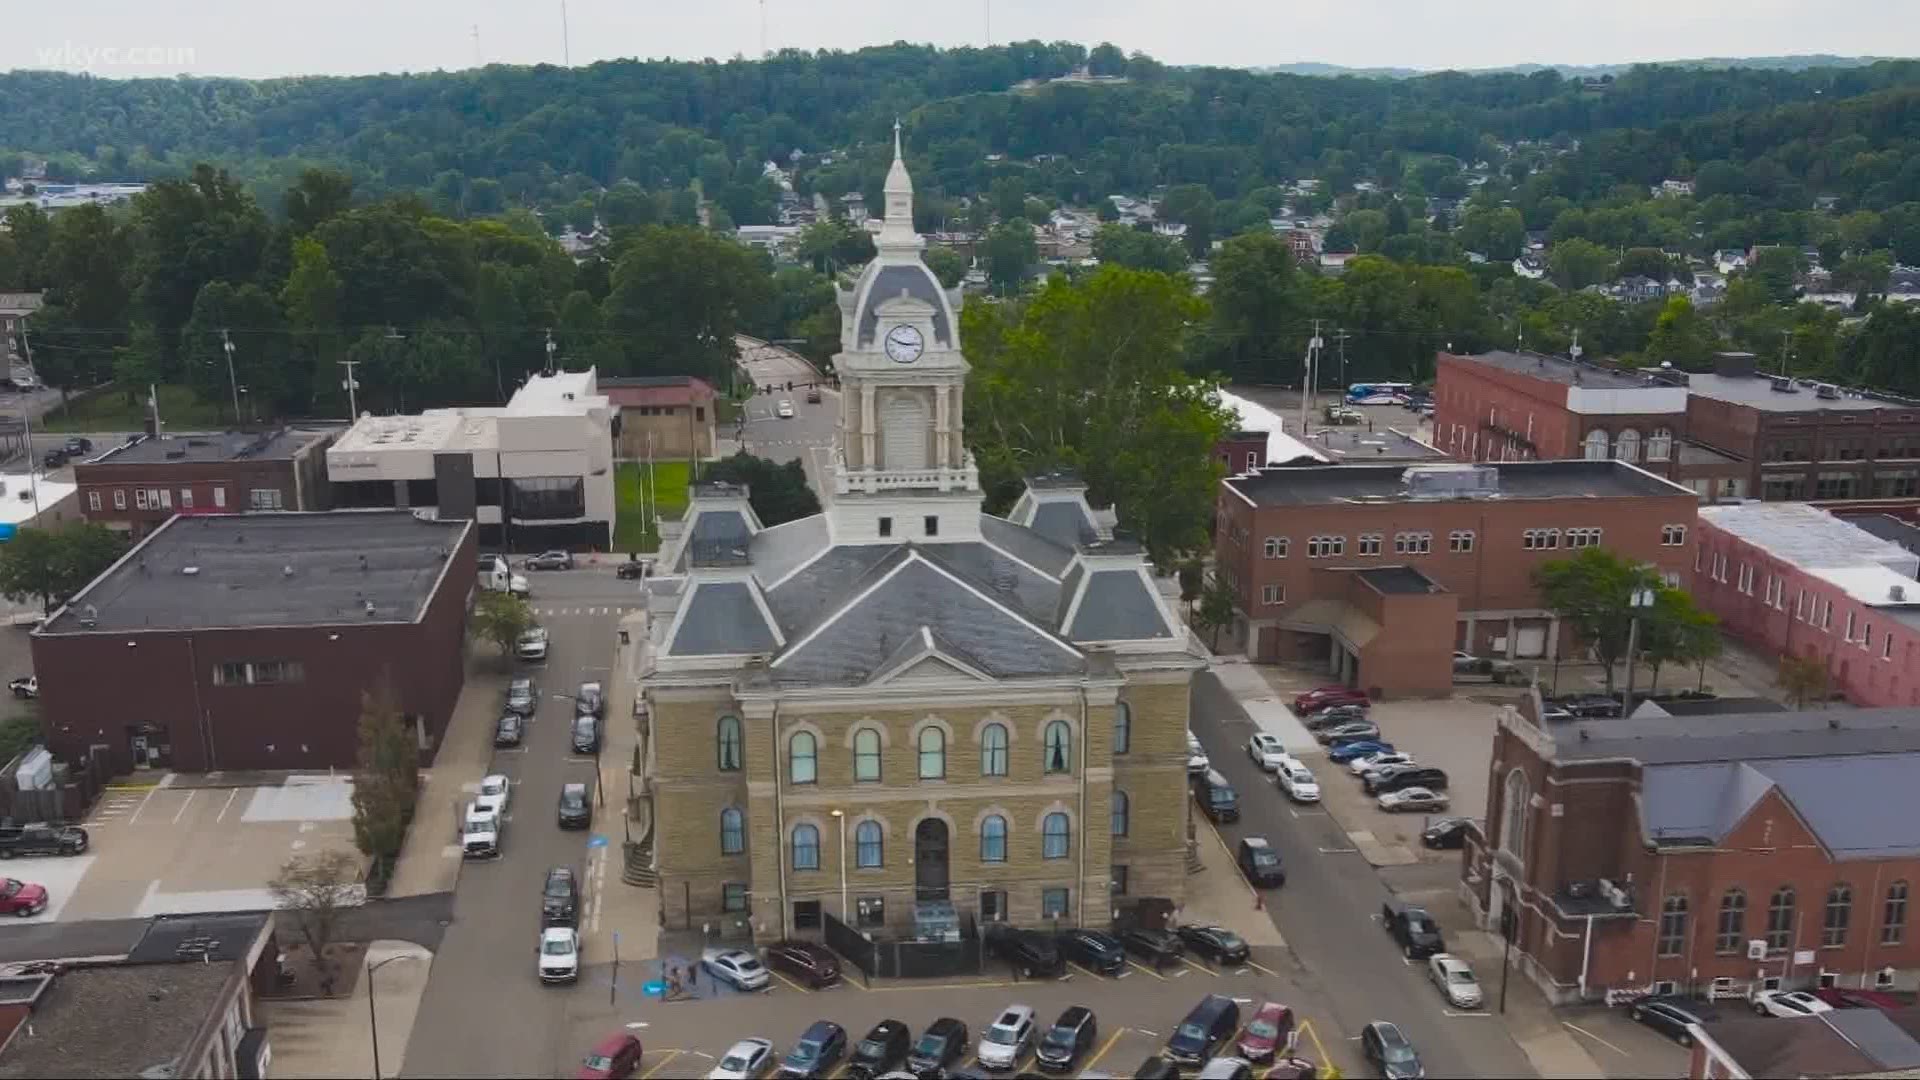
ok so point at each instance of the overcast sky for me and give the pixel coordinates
(126, 38)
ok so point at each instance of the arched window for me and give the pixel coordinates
(1893, 919)
(1056, 836)
(1833, 929)
(1660, 445)
(1121, 808)
(1058, 747)
(868, 844)
(1513, 832)
(866, 755)
(993, 839)
(1780, 918)
(803, 757)
(993, 750)
(1627, 446)
(1673, 926)
(1596, 445)
(729, 743)
(1122, 727)
(806, 847)
(1731, 934)
(733, 831)
(933, 753)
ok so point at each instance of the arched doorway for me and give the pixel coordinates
(930, 860)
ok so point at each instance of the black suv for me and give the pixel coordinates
(1157, 947)
(884, 1048)
(1071, 1036)
(1425, 776)
(1413, 928)
(40, 838)
(943, 1043)
(560, 899)
(1094, 951)
(1216, 943)
(1031, 952)
(586, 734)
(576, 810)
(1260, 862)
(521, 696)
(1207, 1027)
(1217, 798)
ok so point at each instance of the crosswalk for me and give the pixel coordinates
(555, 612)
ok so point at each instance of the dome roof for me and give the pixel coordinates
(882, 281)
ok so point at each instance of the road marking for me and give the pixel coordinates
(178, 814)
(1199, 968)
(1095, 1059)
(1148, 970)
(228, 805)
(1470, 1012)
(1181, 974)
(143, 805)
(943, 986)
(790, 982)
(1595, 1038)
(1339, 851)
(1148, 1034)
(1262, 967)
(664, 1062)
(1084, 971)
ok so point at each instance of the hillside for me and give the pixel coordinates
(1586, 71)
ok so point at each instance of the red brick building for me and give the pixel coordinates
(1708, 854)
(247, 641)
(1242, 451)
(1287, 539)
(138, 486)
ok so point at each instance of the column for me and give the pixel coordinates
(1467, 645)
(940, 415)
(1553, 638)
(866, 427)
(1513, 641)
(957, 448)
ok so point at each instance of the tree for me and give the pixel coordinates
(311, 299)
(1106, 59)
(947, 264)
(678, 297)
(1681, 336)
(1592, 592)
(1676, 631)
(1141, 250)
(1260, 302)
(1645, 262)
(778, 492)
(1216, 609)
(1803, 679)
(1778, 268)
(1498, 233)
(1577, 263)
(1193, 581)
(1010, 251)
(53, 564)
(319, 194)
(499, 617)
(1191, 205)
(316, 890)
(250, 318)
(833, 244)
(386, 777)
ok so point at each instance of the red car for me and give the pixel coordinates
(1843, 998)
(615, 1056)
(1267, 1032)
(19, 898)
(1322, 696)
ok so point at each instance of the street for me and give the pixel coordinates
(807, 435)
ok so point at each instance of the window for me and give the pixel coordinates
(1273, 594)
(1058, 748)
(1513, 836)
(729, 744)
(1122, 727)
(259, 673)
(993, 905)
(1253, 460)
(1660, 445)
(1581, 538)
(933, 753)
(886, 526)
(1727, 941)
(806, 847)
(1833, 930)
(93, 500)
(733, 831)
(1460, 541)
(186, 499)
(229, 674)
(931, 526)
(866, 756)
(1324, 547)
(1627, 446)
(1673, 925)
(1719, 571)
(1540, 539)
(1120, 808)
(733, 896)
(219, 498)
(264, 498)
(119, 498)
(1886, 647)
(1849, 626)
(1780, 919)
(1056, 836)
(1368, 543)
(1412, 543)
(1596, 445)
(993, 839)
(803, 758)
(1800, 604)
(1826, 615)
(161, 498)
(870, 911)
(1675, 536)
(868, 843)
(140, 499)
(1833, 486)
(1276, 547)
(1893, 916)
(1118, 882)
(1745, 584)
(1053, 903)
(993, 750)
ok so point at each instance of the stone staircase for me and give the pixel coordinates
(638, 865)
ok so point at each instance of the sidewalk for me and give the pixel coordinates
(430, 860)
(1533, 1024)
(613, 906)
(330, 1038)
(1251, 687)
(1219, 896)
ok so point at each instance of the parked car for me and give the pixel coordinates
(1412, 774)
(737, 968)
(590, 699)
(1156, 1068)
(744, 1060)
(1353, 751)
(611, 1058)
(1334, 714)
(495, 791)
(1787, 1003)
(1067, 1040)
(26, 686)
(1390, 1052)
(586, 734)
(1322, 696)
(54, 458)
(1266, 1033)
(559, 954)
(576, 807)
(1841, 997)
(1216, 943)
(1008, 1038)
(1266, 750)
(549, 560)
(1297, 781)
(522, 695)
(480, 833)
(1197, 761)
(1205, 1029)
(1374, 764)
(1157, 947)
(633, 569)
(1031, 952)
(809, 964)
(819, 1049)
(532, 645)
(21, 898)
(943, 1043)
(884, 1047)
(1413, 928)
(509, 729)
(1352, 731)
(1260, 862)
(1446, 834)
(1095, 950)
(560, 898)
(77, 445)
(813, 395)
(1225, 1068)
(1454, 979)
(40, 838)
(1670, 1014)
(1412, 800)
(1217, 798)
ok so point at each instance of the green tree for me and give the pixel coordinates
(1191, 205)
(1646, 262)
(311, 300)
(1260, 302)
(947, 264)
(1368, 228)
(1778, 268)
(386, 778)
(833, 244)
(319, 194)
(1681, 336)
(251, 319)
(1008, 196)
(1865, 275)
(678, 297)
(1106, 59)
(1139, 249)
(194, 231)
(1499, 233)
(1216, 608)
(1577, 263)
(1677, 631)
(1010, 250)
(53, 564)
(499, 617)
(1592, 592)
(778, 491)
(1803, 679)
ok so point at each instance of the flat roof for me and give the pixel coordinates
(1360, 484)
(119, 1020)
(1398, 580)
(1887, 527)
(475, 427)
(266, 570)
(1359, 446)
(19, 495)
(1254, 416)
(1559, 369)
(1811, 539)
(277, 445)
(1679, 738)
(1757, 392)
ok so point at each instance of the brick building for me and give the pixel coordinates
(1710, 854)
(1796, 580)
(1288, 538)
(139, 485)
(676, 410)
(246, 641)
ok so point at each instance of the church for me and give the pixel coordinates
(904, 702)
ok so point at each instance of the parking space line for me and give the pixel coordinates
(1318, 1048)
(178, 814)
(1197, 967)
(1082, 970)
(1262, 967)
(228, 805)
(664, 1062)
(1095, 1060)
(942, 986)
(1595, 1038)
(143, 805)
(1148, 970)
(790, 982)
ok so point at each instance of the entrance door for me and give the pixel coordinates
(930, 860)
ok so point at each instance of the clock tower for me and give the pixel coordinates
(902, 375)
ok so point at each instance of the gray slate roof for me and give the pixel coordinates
(1026, 545)
(1859, 806)
(1754, 736)
(1064, 523)
(715, 538)
(916, 281)
(721, 618)
(1117, 606)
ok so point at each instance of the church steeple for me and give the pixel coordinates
(896, 232)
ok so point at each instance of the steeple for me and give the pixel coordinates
(896, 232)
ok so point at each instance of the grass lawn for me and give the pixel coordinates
(109, 410)
(630, 531)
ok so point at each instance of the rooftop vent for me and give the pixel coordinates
(1896, 592)
(1826, 392)
(287, 570)
(89, 617)
(189, 571)
(1782, 385)
(176, 455)
(1451, 481)
(369, 607)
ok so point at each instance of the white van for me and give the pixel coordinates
(494, 575)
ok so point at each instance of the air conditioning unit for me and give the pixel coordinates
(1757, 949)
(1883, 979)
(1770, 982)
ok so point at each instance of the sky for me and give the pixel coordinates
(265, 38)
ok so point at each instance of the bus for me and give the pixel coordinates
(1378, 393)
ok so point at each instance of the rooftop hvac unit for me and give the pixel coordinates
(1827, 392)
(1451, 481)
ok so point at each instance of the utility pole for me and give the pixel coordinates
(566, 38)
(1786, 351)
(350, 385)
(1341, 336)
(1575, 350)
(1306, 384)
(26, 424)
(226, 344)
(550, 348)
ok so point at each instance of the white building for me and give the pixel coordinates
(535, 474)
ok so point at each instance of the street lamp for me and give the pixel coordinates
(840, 819)
(1640, 601)
(373, 1020)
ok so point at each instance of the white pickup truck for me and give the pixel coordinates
(494, 575)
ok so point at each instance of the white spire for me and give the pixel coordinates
(896, 230)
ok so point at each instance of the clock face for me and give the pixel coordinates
(904, 344)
